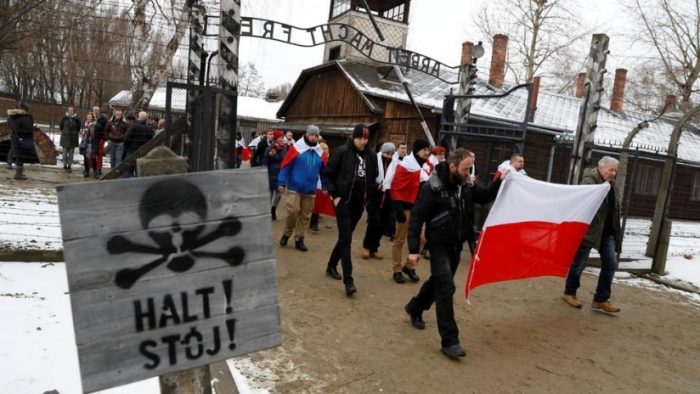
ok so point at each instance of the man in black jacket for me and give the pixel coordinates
(21, 138)
(350, 179)
(442, 204)
(137, 135)
(265, 142)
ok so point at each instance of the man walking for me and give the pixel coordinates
(604, 234)
(442, 205)
(373, 235)
(115, 132)
(300, 170)
(70, 136)
(350, 179)
(136, 136)
(405, 184)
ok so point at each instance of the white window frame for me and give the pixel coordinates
(648, 178)
(695, 195)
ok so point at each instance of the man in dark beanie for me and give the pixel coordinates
(410, 173)
(350, 179)
(21, 137)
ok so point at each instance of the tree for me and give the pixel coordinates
(670, 29)
(154, 48)
(539, 32)
(280, 91)
(250, 83)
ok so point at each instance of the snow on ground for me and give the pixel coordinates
(29, 220)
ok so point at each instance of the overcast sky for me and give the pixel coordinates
(437, 29)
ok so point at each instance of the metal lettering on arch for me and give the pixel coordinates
(333, 32)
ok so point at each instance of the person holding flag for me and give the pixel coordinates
(406, 181)
(373, 234)
(604, 234)
(515, 164)
(350, 179)
(300, 170)
(442, 205)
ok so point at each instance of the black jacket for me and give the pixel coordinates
(136, 136)
(341, 169)
(259, 155)
(444, 207)
(21, 123)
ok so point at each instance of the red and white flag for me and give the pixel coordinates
(298, 148)
(534, 229)
(407, 179)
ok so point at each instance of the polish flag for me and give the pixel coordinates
(534, 229)
(407, 179)
(298, 148)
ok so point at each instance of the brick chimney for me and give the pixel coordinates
(579, 84)
(498, 60)
(533, 99)
(466, 53)
(618, 93)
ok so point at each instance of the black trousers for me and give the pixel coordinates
(374, 232)
(347, 215)
(439, 289)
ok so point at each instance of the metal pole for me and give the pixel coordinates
(399, 74)
(168, 116)
(229, 39)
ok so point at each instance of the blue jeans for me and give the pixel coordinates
(117, 151)
(130, 172)
(608, 265)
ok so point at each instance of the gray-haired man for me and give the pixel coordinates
(604, 234)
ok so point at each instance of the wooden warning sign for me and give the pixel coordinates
(168, 273)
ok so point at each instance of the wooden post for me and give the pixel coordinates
(588, 112)
(162, 161)
(197, 13)
(229, 38)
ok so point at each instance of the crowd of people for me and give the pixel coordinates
(94, 136)
(424, 199)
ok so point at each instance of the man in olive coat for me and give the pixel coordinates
(604, 234)
(70, 135)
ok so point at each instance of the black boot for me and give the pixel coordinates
(398, 277)
(299, 244)
(273, 211)
(333, 273)
(283, 240)
(454, 351)
(412, 276)
(350, 289)
(416, 319)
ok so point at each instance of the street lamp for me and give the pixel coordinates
(477, 52)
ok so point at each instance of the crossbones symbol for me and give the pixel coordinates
(167, 204)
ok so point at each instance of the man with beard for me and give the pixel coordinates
(350, 179)
(442, 205)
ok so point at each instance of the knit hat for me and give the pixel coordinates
(439, 150)
(311, 129)
(388, 147)
(360, 131)
(419, 145)
(24, 106)
(277, 134)
(130, 117)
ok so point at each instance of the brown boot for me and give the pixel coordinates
(19, 173)
(365, 253)
(605, 305)
(571, 300)
(376, 255)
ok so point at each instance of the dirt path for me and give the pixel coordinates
(520, 336)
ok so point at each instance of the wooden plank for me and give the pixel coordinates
(177, 272)
(130, 162)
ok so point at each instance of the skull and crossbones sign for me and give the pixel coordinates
(165, 208)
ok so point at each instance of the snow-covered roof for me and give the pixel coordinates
(248, 107)
(555, 112)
